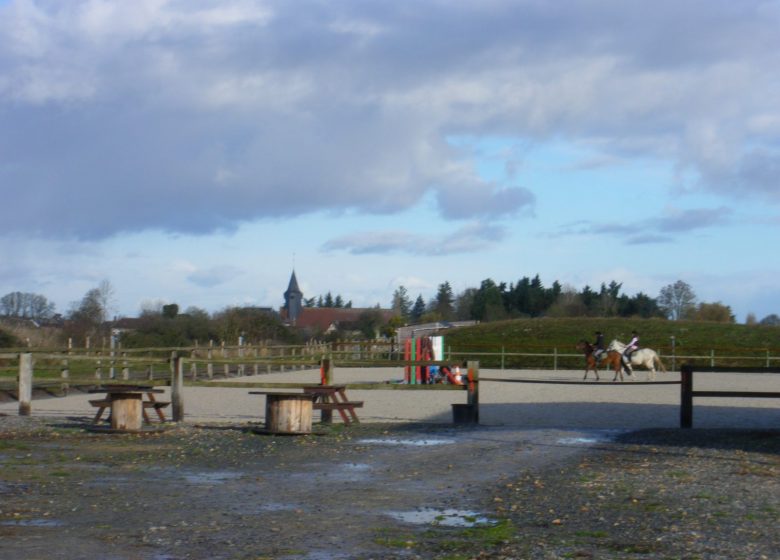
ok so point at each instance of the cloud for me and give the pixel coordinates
(692, 219)
(214, 276)
(468, 239)
(653, 230)
(197, 116)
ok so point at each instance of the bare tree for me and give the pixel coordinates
(677, 300)
(26, 305)
(89, 316)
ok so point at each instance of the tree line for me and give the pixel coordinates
(529, 297)
(164, 324)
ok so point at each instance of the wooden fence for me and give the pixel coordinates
(175, 363)
(176, 378)
(687, 392)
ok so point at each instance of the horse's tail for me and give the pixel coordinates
(658, 363)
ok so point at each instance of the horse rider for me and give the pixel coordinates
(631, 347)
(598, 346)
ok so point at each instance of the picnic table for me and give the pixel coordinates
(291, 412)
(127, 404)
(334, 397)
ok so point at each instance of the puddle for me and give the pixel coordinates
(108, 481)
(443, 517)
(211, 477)
(356, 467)
(587, 440)
(32, 523)
(276, 506)
(325, 555)
(407, 442)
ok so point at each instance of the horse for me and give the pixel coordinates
(644, 357)
(608, 358)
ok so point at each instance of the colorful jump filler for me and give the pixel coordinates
(428, 349)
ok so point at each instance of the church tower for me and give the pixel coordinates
(293, 300)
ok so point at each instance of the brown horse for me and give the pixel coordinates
(607, 358)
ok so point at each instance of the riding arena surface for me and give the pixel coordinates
(552, 471)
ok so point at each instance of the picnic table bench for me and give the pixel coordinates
(334, 397)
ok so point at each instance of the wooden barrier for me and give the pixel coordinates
(687, 393)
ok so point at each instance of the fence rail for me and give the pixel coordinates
(687, 392)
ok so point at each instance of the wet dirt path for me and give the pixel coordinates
(204, 492)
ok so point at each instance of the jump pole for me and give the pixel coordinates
(472, 398)
(326, 378)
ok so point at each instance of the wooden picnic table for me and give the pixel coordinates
(128, 407)
(291, 412)
(334, 397)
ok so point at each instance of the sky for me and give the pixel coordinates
(197, 151)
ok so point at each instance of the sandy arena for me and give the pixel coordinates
(627, 407)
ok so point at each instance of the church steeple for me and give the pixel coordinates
(293, 299)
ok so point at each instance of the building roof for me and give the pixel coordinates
(293, 286)
(326, 317)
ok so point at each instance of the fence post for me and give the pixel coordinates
(226, 367)
(210, 355)
(25, 382)
(712, 358)
(326, 378)
(686, 396)
(177, 388)
(64, 375)
(241, 355)
(555, 359)
(502, 358)
(194, 364)
(472, 398)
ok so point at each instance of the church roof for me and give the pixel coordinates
(293, 287)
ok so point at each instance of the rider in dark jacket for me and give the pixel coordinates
(598, 345)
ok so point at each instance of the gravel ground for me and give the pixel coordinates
(386, 491)
(552, 472)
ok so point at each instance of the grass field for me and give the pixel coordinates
(544, 343)
(732, 344)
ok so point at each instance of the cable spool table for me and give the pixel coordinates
(287, 413)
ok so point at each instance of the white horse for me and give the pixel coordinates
(643, 357)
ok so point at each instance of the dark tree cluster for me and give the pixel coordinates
(328, 300)
(528, 297)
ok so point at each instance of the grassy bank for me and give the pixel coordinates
(729, 344)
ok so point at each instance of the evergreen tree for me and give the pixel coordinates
(443, 303)
(418, 310)
(401, 304)
(488, 304)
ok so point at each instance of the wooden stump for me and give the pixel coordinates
(288, 413)
(126, 412)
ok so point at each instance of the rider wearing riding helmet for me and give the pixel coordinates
(632, 346)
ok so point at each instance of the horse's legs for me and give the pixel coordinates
(618, 369)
